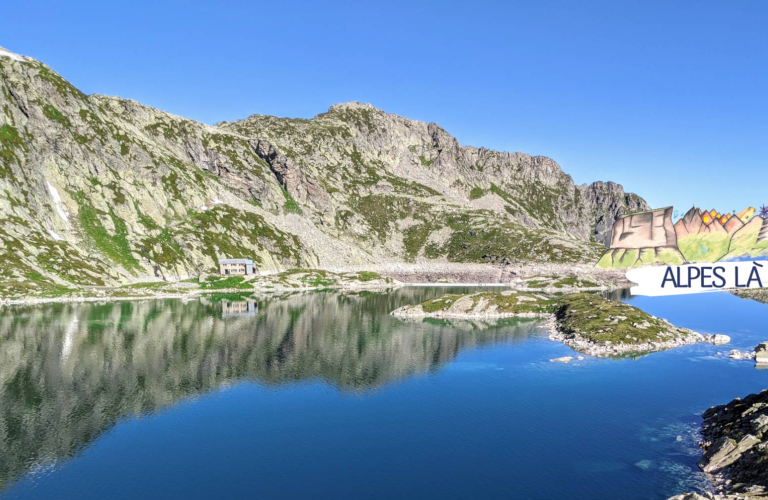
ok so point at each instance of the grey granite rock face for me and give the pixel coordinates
(736, 445)
(103, 190)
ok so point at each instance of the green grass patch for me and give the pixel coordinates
(441, 303)
(54, 114)
(234, 297)
(476, 193)
(113, 246)
(291, 206)
(222, 283)
(600, 320)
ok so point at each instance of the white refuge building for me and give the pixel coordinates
(236, 267)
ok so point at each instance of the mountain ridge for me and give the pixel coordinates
(131, 192)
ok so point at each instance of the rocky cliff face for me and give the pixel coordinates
(101, 190)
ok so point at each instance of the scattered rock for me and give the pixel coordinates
(736, 354)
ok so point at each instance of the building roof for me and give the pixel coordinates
(235, 261)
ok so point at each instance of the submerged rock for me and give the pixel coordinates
(564, 359)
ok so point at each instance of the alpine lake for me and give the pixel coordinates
(324, 395)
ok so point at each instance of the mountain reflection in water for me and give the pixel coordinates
(69, 372)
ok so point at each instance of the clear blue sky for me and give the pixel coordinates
(666, 98)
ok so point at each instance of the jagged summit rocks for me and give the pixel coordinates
(102, 190)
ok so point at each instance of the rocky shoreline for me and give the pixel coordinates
(735, 444)
(588, 323)
(591, 348)
(513, 275)
(289, 281)
(533, 278)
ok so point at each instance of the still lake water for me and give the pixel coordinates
(324, 395)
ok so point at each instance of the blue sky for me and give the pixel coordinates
(666, 98)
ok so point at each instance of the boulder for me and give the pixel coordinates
(692, 496)
(725, 451)
(720, 339)
(760, 424)
(761, 353)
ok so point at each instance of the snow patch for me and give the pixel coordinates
(216, 201)
(57, 201)
(15, 57)
(54, 235)
(203, 208)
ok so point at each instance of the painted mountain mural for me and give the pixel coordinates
(650, 237)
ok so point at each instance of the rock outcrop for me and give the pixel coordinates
(735, 444)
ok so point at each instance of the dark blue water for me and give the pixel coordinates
(326, 396)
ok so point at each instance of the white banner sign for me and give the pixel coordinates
(698, 278)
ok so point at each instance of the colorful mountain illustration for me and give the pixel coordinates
(705, 236)
(750, 241)
(699, 236)
(746, 214)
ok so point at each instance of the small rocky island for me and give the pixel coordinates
(504, 304)
(597, 326)
(586, 322)
(735, 444)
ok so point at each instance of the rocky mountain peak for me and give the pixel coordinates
(99, 190)
(352, 106)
